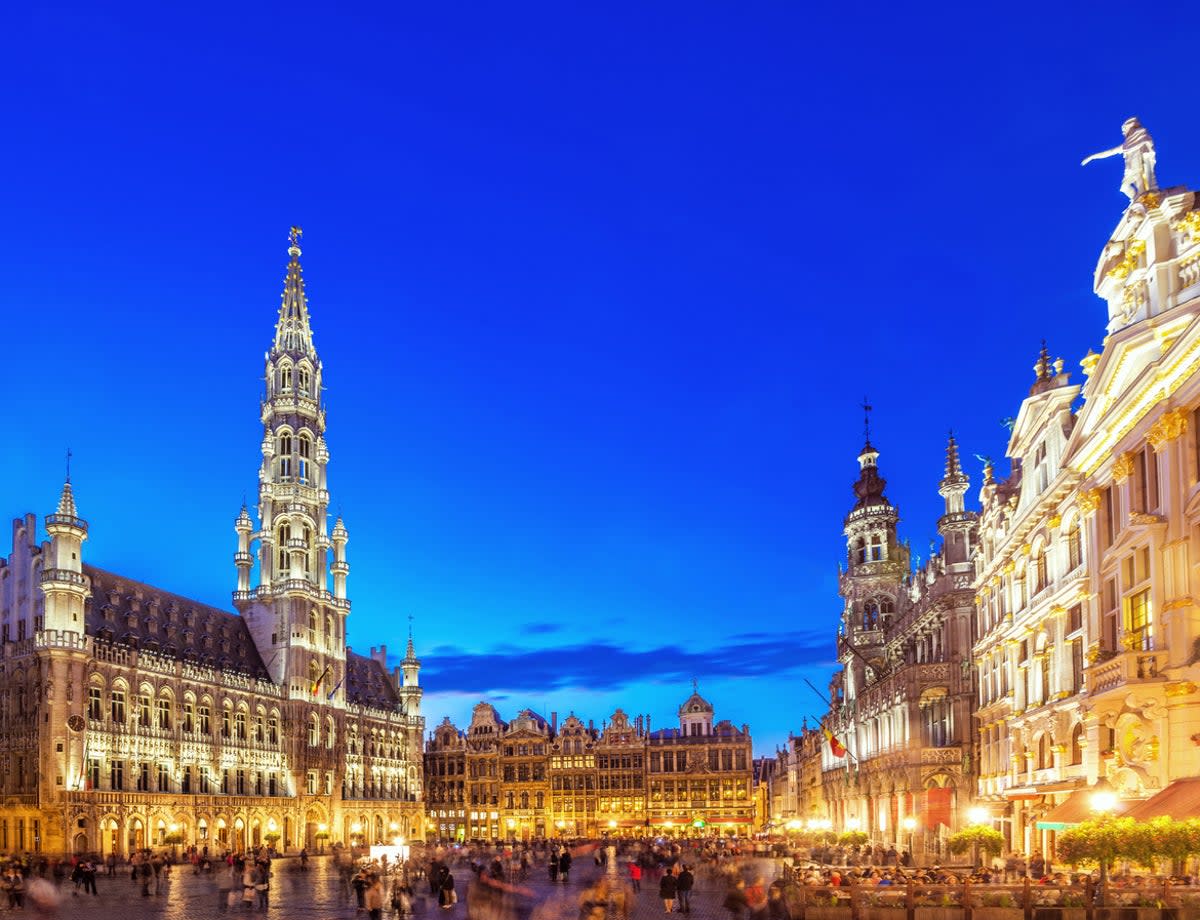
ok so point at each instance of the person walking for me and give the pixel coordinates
(683, 886)
(263, 884)
(635, 875)
(564, 865)
(87, 871)
(374, 897)
(447, 896)
(668, 887)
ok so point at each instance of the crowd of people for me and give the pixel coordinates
(599, 880)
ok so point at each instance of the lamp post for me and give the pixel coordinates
(910, 825)
(322, 833)
(1103, 802)
(976, 816)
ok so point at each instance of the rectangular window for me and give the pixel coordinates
(164, 715)
(1139, 627)
(312, 782)
(1077, 666)
(116, 775)
(185, 784)
(240, 781)
(225, 781)
(205, 720)
(1075, 618)
(143, 777)
(225, 723)
(143, 711)
(164, 778)
(1109, 615)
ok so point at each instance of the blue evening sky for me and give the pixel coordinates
(598, 291)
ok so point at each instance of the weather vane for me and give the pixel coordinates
(866, 407)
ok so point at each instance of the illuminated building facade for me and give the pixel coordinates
(903, 700)
(1089, 648)
(531, 778)
(132, 716)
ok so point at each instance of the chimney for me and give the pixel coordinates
(554, 722)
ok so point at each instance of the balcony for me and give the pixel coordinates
(66, 577)
(1131, 667)
(66, 520)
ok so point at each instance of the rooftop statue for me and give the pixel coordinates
(1138, 151)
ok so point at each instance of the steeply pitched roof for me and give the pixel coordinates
(132, 613)
(368, 683)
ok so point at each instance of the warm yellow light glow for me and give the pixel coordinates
(322, 827)
(271, 825)
(668, 824)
(511, 822)
(853, 823)
(795, 824)
(910, 823)
(560, 824)
(393, 826)
(356, 828)
(1103, 801)
(977, 815)
(174, 828)
(612, 822)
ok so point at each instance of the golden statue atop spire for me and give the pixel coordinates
(294, 235)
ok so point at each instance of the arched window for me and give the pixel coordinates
(886, 609)
(1077, 745)
(870, 617)
(304, 467)
(303, 380)
(330, 732)
(283, 450)
(314, 730)
(312, 628)
(1074, 547)
(1045, 757)
(308, 554)
(285, 377)
(1038, 565)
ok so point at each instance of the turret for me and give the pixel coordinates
(957, 524)
(340, 567)
(410, 690)
(243, 559)
(63, 582)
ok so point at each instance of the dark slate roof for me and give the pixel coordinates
(368, 683)
(132, 613)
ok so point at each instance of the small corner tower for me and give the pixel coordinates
(63, 582)
(696, 714)
(409, 690)
(956, 524)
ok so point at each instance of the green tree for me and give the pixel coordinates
(853, 838)
(978, 838)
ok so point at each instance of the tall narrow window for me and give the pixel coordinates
(305, 458)
(285, 534)
(1074, 547)
(285, 378)
(284, 452)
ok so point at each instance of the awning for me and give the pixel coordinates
(1076, 808)
(1181, 799)
(1041, 789)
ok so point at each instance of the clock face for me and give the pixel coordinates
(76, 723)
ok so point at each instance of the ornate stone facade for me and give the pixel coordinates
(1085, 582)
(531, 778)
(902, 701)
(131, 715)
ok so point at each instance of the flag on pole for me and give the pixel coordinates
(335, 689)
(835, 747)
(317, 683)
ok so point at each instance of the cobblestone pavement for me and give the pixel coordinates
(317, 895)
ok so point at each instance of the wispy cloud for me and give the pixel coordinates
(606, 666)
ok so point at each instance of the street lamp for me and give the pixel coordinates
(1104, 803)
(322, 833)
(977, 816)
(910, 825)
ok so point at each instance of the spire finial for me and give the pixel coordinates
(695, 685)
(866, 407)
(68, 464)
(953, 468)
(1042, 367)
(294, 235)
(410, 619)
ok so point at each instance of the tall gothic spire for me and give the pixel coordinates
(954, 484)
(292, 331)
(66, 501)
